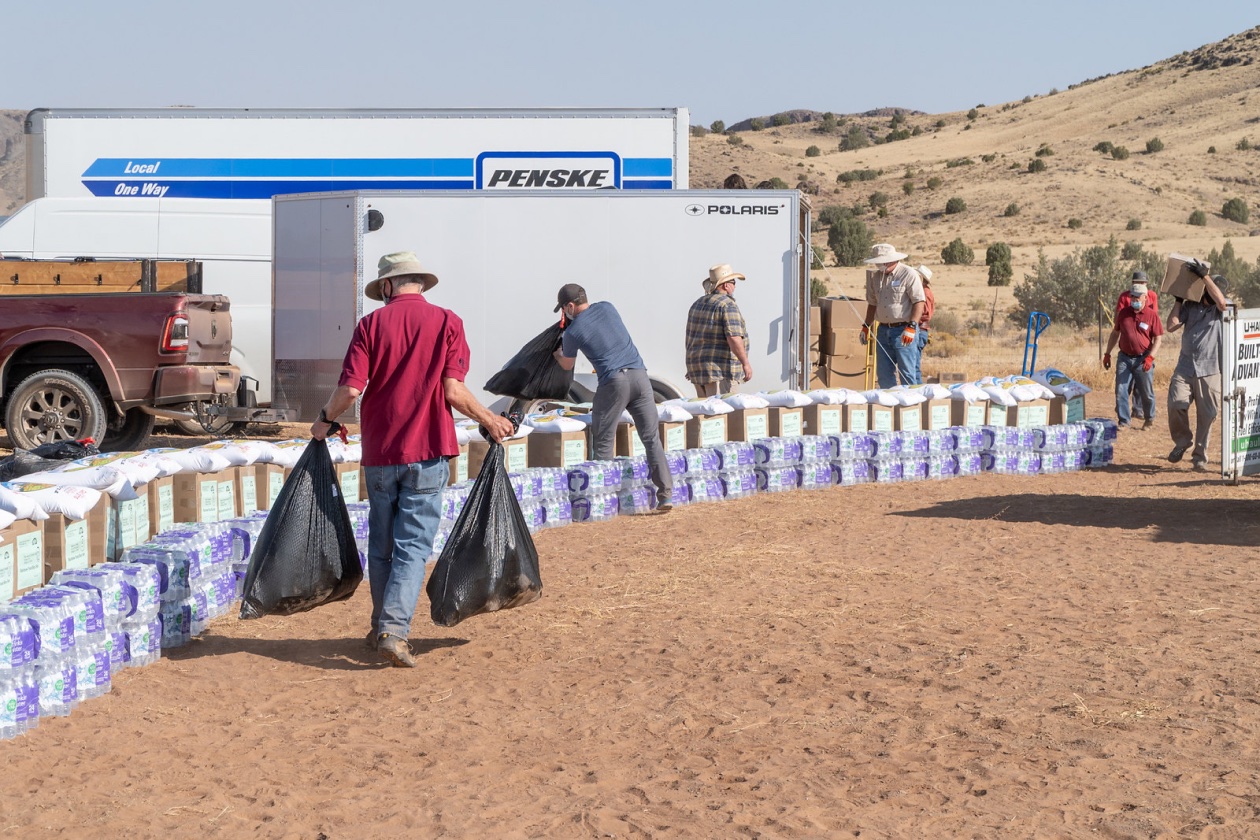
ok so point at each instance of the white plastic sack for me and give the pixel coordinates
(20, 504)
(159, 458)
(1060, 383)
(6, 519)
(825, 396)
(702, 406)
(554, 421)
(968, 391)
(670, 413)
(242, 453)
(906, 396)
(1000, 395)
(71, 502)
(138, 469)
(105, 479)
(1032, 386)
(740, 401)
(350, 452)
(287, 452)
(202, 460)
(461, 435)
(786, 398)
(878, 397)
(932, 391)
(852, 397)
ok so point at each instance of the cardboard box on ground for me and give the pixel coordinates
(71, 544)
(21, 558)
(926, 416)
(516, 455)
(706, 431)
(556, 449)
(748, 424)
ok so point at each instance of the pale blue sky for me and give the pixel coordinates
(722, 60)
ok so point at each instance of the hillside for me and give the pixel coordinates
(1203, 106)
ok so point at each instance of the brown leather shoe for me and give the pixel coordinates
(372, 640)
(396, 650)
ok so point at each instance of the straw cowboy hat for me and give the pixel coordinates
(718, 275)
(397, 265)
(884, 253)
(925, 273)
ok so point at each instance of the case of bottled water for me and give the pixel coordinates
(845, 445)
(676, 461)
(19, 692)
(736, 455)
(1101, 430)
(942, 465)
(702, 460)
(971, 438)
(591, 478)
(778, 479)
(914, 468)
(595, 508)
(453, 499)
(638, 499)
(1100, 456)
(887, 470)
(634, 470)
(942, 441)
(849, 473)
(970, 463)
(885, 445)
(738, 483)
(915, 443)
(816, 448)
(815, 475)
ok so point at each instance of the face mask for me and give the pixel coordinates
(385, 296)
(1136, 303)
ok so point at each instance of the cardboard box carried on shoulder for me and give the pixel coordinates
(516, 455)
(674, 436)
(1064, 410)
(1180, 281)
(926, 416)
(821, 419)
(963, 413)
(556, 449)
(706, 431)
(748, 424)
(21, 558)
(787, 421)
(71, 544)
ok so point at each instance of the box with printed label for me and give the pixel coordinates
(228, 479)
(350, 475)
(71, 544)
(706, 431)
(787, 421)
(1064, 410)
(247, 490)
(268, 479)
(857, 418)
(883, 418)
(963, 413)
(516, 455)
(21, 558)
(821, 419)
(160, 493)
(626, 443)
(556, 449)
(908, 418)
(674, 436)
(458, 465)
(748, 424)
(1031, 413)
(937, 414)
(196, 497)
(132, 525)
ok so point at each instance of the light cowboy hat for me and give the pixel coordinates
(718, 275)
(884, 253)
(396, 265)
(925, 272)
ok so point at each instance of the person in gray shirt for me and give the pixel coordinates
(1197, 377)
(597, 331)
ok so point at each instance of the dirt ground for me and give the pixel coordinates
(997, 656)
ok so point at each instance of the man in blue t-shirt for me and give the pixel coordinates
(596, 330)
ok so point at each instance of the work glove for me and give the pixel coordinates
(908, 336)
(1106, 361)
(865, 336)
(1148, 363)
(1197, 268)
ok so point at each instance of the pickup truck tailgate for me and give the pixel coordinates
(209, 329)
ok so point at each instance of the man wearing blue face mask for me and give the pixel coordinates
(1139, 332)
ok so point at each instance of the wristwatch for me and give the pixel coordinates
(323, 417)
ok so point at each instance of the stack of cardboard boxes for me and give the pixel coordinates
(841, 359)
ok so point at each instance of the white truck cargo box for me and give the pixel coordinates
(501, 258)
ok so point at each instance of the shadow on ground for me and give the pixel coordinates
(331, 654)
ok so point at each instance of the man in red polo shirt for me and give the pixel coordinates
(1139, 332)
(408, 359)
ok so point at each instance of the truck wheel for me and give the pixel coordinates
(129, 433)
(53, 405)
(219, 428)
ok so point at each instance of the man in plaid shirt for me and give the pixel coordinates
(717, 337)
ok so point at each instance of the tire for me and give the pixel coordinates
(129, 433)
(54, 405)
(219, 428)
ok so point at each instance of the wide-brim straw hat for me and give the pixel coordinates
(925, 272)
(884, 253)
(718, 275)
(396, 265)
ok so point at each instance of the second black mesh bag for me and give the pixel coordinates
(533, 373)
(306, 555)
(489, 561)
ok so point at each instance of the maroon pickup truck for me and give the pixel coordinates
(104, 366)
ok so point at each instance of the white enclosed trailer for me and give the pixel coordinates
(192, 183)
(501, 258)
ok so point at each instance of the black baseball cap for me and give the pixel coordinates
(569, 293)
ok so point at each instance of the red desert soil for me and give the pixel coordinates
(1069, 656)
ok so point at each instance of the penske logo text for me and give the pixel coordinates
(550, 178)
(548, 170)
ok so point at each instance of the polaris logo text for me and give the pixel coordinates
(548, 170)
(734, 209)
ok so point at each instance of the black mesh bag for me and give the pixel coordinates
(67, 450)
(24, 462)
(489, 561)
(306, 555)
(533, 373)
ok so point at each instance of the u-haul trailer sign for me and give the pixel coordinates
(1240, 394)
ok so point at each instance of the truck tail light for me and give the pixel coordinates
(175, 333)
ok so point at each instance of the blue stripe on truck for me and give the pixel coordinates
(159, 167)
(256, 189)
(647, 167)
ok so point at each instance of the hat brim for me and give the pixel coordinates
(373, 288)
(717, 283)
(891, 258)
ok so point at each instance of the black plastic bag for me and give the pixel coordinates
(306, 555)
(533, 373)
(24, 462)
(67, 450)
(489, 562)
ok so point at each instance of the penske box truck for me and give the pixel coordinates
(502, 256)
(192, 183)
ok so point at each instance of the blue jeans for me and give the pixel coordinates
(1131, 378)
(918, 360)
(406, 506)
(892, 359)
